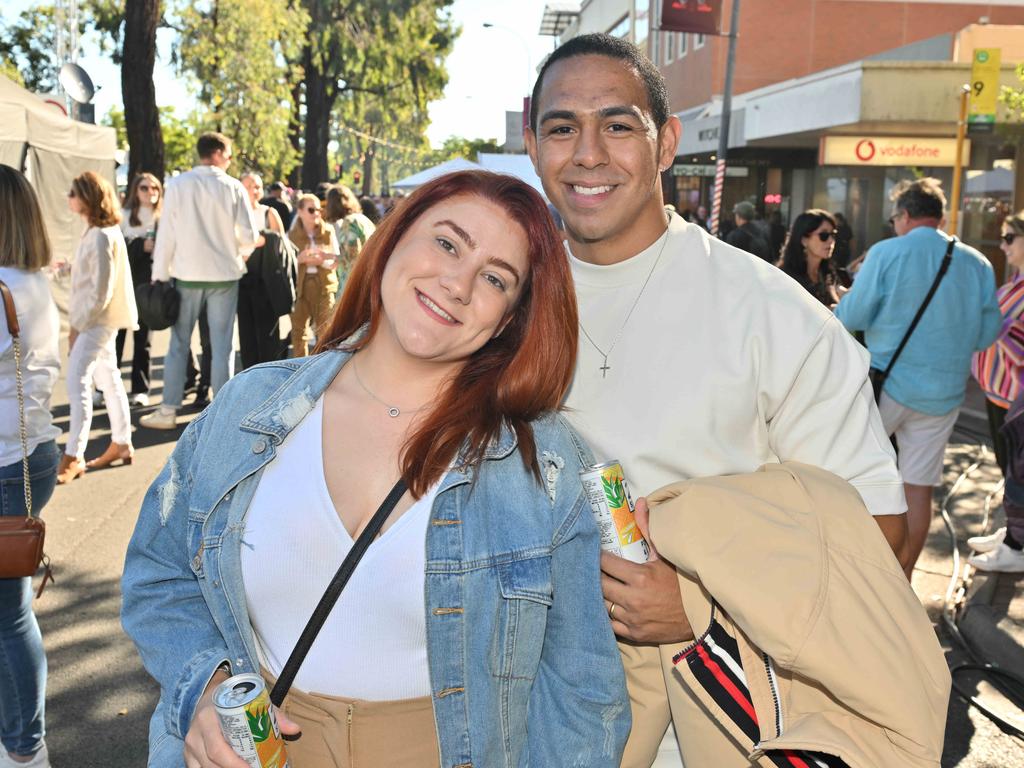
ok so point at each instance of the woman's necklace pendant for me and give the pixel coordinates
(394, 412)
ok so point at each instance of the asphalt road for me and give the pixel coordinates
(99, 697)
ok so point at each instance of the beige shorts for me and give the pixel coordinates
(921, 439)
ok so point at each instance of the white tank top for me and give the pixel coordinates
(374, 643)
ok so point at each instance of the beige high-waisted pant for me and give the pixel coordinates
(351, 733)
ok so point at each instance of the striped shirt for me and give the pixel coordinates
(999, 368)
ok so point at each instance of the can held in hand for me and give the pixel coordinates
(612, 505)
(248, 722)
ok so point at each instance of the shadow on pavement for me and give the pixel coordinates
(98, 713)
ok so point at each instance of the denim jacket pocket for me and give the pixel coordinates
(526, 593)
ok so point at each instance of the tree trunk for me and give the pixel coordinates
(295, 130)
(371, 151)
(318, 121)
(141, 116)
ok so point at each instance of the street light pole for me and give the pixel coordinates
(723, 126)
(526, 50)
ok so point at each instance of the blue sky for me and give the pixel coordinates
(490, 70)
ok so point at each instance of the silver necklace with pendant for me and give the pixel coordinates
(393, 410)
(604, 365)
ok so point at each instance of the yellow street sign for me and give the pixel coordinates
(984, 85)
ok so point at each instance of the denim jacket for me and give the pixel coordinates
(524, 668)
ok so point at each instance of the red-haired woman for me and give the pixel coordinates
(474, 631)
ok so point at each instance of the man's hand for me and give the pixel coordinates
(647, 605)
(205, 746)
(72, 336)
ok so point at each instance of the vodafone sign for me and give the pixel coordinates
(890, 150)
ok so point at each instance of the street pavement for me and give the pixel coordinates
(99, 698)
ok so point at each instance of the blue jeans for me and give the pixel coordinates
(221, 304)
(22, 662)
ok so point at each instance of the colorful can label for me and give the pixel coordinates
(612, 505)
(248, 722)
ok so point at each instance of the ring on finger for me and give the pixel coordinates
(611, 610)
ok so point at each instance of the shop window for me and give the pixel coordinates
(682, 44)
(670, 47)
(698, 42)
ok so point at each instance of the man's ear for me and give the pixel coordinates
(530, 140)
(668, 142)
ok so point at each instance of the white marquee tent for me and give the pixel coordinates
(35, 137)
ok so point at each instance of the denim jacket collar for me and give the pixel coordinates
(284, 409)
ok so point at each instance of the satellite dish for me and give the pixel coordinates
(76, 83)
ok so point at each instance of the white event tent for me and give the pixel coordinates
(36, 138)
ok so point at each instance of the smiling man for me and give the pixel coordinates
(696, 359)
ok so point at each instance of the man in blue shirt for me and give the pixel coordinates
(923, 393)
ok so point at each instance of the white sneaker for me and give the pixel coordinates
(140, 400)
(1003, 559)
(161, 418)
(40, 759)
(987, 543)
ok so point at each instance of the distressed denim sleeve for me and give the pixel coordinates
(163, 609)
(579, 708)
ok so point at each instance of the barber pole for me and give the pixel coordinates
(716, 200)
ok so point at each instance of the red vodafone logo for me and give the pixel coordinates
(865, 150)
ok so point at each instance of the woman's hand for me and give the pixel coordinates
(148, 243)
(205, 745)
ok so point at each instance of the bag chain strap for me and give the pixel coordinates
(22, 429)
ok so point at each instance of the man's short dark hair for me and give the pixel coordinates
(921, 198)
(613, 48)
(210, 142)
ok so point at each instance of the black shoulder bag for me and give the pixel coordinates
(332, 593)
(878, 376)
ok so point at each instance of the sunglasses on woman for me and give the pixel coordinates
(312, 210)
(1009, 237)
(826, 236)
(146, 188)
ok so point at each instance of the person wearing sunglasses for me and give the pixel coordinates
(806, 255)
(921, 396)
(474, 631)
(1000, 372)
(318, 277)
(139, 221)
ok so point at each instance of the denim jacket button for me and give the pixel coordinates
(197, 562)
(259, 446)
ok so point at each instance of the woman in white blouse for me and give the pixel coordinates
(139, 221)
(24, 255)
(102, 302)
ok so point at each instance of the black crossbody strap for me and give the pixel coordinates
(924, 305)
(332, 593)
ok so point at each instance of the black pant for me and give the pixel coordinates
(141, 265)
(259, 332)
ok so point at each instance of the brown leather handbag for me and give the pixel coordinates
(21, 538)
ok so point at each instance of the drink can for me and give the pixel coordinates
(151, 234)
(612, 505)
(248, 722)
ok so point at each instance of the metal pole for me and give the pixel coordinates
(723, 127)
(961, 130)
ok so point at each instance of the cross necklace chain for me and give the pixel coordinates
(618, 335)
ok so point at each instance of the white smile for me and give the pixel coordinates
(425, 300)
(591, 190)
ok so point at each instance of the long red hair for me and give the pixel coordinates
(515, 377)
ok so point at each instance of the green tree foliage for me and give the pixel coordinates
(1013, 96)
(238, 53)
(457, 146)
(28, 43)
(372, 66)
(179, 136)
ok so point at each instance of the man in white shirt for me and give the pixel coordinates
(696, 359)
(206, 233)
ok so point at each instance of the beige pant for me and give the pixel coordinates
(313, 305)
(350, 733)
